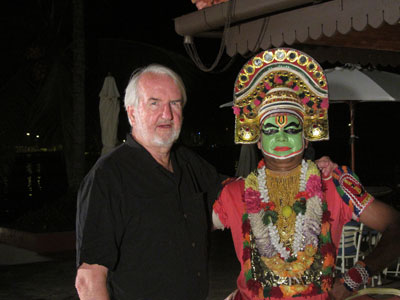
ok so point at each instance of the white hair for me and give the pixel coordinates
(132, 94)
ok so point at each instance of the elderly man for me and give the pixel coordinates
(286, 218)
(143, 210)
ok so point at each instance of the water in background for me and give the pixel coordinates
(35, 179)
(39, 178)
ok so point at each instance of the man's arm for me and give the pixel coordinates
(378, 216)
(91, 282)
(385, 219)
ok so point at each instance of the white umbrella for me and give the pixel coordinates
(353, 85)
(109, 112)
(356, 84)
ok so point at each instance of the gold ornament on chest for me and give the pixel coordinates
(282, 191)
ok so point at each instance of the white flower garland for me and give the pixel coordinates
(298, 238)
(307, 226)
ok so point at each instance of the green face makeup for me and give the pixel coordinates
(282, 136)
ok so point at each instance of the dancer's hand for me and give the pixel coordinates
(339, 291)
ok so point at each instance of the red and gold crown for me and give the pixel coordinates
(281, 80)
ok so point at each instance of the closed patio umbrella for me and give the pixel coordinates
(109, 112)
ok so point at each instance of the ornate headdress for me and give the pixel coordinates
(281, 80)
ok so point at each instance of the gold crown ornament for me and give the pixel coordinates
(281, 80)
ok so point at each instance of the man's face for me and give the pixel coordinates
(157, 119)
(282, 136)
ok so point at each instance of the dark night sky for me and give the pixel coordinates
(27, 23)
(35, 33)
(151, 23)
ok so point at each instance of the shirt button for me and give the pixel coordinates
(185, 216)
(193, 244)
(198, 274)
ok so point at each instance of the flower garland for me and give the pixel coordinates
(312, 229)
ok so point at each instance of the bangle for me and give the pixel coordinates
(356, 276)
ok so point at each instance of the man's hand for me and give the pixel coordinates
(326, 166)
(339, 291)
(91, 282)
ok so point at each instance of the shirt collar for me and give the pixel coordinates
(131, 142)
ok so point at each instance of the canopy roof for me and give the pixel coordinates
(355, 31)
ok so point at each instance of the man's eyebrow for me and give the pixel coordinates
(293, 124)
(268, 125)
(158, 99)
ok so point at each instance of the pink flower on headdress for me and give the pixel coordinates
(257, 102)
(236, 110)
(267, 86)
(296, 88)
(277, 79)
(305, 100)
(325, 103)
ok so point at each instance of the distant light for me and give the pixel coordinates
(123, 141)
(349, 124)
(37, 136)
(198, 133)
(28, 134)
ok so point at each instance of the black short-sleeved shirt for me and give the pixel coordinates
(148, 226)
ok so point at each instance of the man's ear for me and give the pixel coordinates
(131, 114)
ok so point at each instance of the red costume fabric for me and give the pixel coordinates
(230, 208)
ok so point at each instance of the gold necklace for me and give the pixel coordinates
(282, 189)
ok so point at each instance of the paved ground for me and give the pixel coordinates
(53, 279)
(24, 275)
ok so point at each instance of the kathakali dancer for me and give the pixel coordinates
(285, 218)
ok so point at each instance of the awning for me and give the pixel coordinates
(360, 30)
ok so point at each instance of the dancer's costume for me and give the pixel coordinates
(286, 228)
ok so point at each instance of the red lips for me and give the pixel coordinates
(282, 149)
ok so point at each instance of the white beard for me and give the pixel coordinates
(156, 139)
(167, 141)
